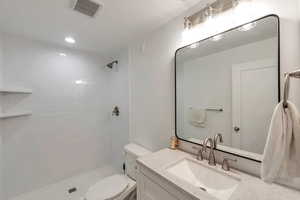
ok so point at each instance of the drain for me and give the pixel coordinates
(203, 189)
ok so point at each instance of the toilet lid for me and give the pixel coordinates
(108, 188)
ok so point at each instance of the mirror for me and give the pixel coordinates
(229, 84)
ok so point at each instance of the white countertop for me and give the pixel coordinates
(250, 188)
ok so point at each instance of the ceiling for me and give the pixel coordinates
(117, 24)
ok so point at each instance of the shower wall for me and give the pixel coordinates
(1, 165)
(1, 60)
(69, 130)
(119, 79)
(1, 144)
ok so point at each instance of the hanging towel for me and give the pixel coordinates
(281, 159)
(197, 117)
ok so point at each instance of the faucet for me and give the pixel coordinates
(211, 157)
(218, 137)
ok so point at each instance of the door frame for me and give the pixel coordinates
(236, 95)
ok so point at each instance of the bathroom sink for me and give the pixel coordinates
(219, 184)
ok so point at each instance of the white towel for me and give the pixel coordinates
(197, 117)
(281, 159)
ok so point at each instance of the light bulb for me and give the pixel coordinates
(186, 33)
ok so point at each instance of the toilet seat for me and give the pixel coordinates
(108, 188)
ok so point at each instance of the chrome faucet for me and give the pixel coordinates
(218, 137)
(211, 157)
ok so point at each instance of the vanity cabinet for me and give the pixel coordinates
(151, 186)
(176, 175)
(149, 190)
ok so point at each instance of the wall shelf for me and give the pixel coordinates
(12, 90)
(14, 114)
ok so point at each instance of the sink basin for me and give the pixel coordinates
(218, 184)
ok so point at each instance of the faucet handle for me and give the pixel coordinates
(205, 144)
(225, 164)
(218, 137)
(199, 153)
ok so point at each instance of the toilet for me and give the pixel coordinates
(119, 186)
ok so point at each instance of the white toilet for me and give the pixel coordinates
(119, 186)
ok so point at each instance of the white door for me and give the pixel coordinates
(254, 96)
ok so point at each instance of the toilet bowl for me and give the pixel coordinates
(115, 187)
(119, 186)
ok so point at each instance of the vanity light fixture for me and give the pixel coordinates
(248, 27)
(235, 3)
(70, 40)
(187, 26)
(209, 11)
(187, 23)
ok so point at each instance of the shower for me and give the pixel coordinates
(112, 65)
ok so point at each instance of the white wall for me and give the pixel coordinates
(1, 131)
(1, 164)
(152, 87)
(119, 97)
(1, 60)
(68, 132)
(152, 66)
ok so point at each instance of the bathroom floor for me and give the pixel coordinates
(59, 191)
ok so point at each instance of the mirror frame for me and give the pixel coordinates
(232, 29)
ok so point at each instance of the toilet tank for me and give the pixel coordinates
(132, 153)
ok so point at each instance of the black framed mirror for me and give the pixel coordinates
(229, 83)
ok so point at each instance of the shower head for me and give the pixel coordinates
(112, 64)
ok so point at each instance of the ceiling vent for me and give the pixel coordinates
(87, 7)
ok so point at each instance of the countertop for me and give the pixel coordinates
(250, 188)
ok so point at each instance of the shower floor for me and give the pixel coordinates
(59, 191)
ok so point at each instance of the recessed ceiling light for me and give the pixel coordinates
(80, 82)
(70, 40)
(63, 54)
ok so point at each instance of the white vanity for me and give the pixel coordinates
(176, 175)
